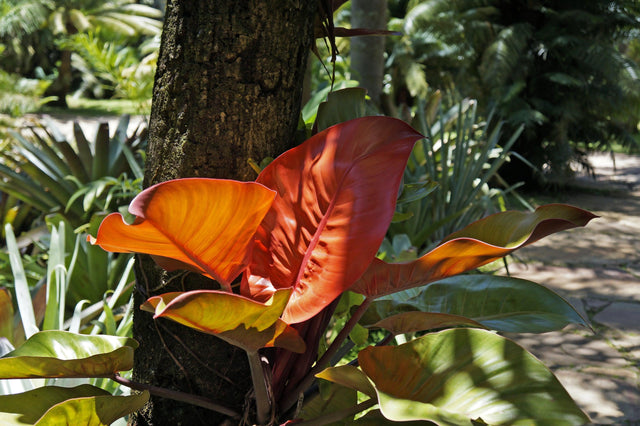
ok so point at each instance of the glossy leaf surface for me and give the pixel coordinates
(414, 321)
(242, 322)
(477, 244)
(349, 376)
(336, 197)
(498, 303)
(375, 418)
(204, 225)
(64, 354)
(54, 405)
(457, 375)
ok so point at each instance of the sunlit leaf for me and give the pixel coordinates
(461, 374)
(499, 303)
(54, 405)
(410, 322)
(375, 418)
(243, 322)
(477, 244)
(204, 225)
(349, 376)
(336, 197)
(63, 354)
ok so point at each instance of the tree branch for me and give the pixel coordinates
(197, 400)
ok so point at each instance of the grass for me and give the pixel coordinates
(100, 107)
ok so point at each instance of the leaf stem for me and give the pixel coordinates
(263, 402)
(339, 415)
(292, 397)
(197, 400)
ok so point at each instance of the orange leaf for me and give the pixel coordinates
(478, 244)
(204, 225)
(336, 197)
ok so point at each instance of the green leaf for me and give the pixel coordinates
(359, 335)
(100, 165)
(64, 354)
(22, 187)
(459, 375)
(84, 148)
(401, 217)
(375, 418)
(499, 303)
(410, 322)
(349, 376)
(334, 399)
(310, 109)
(56, 280)
(400, 409)
(251, 326)
(54, 405)
(416, 191)
(340, 106)
(21, 285)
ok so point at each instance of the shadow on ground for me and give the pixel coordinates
(597, 268)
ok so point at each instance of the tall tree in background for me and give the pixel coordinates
(367, 53)
(228, 88)
(19, 18)
(556, 68)
(551, 65)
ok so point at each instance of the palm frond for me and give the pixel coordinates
(507, 53)
(23, 17)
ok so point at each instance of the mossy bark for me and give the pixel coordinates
(228, 88)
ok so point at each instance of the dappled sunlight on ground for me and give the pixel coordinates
(597, 268)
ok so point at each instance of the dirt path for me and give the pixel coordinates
(597, 268)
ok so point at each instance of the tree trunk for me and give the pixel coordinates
(61, 86)
(227, 88)
(367, 52)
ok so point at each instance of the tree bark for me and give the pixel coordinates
(367, 52)
(61, 86)
(227, 88)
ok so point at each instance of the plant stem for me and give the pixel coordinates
(197, 400)
(263, 402)
(339, 415)
(291, 397)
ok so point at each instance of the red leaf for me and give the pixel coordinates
(478, 244)
(204, 225)
(336, 197)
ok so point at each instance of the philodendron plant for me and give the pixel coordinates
(299, 245)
